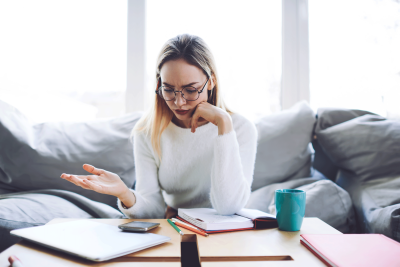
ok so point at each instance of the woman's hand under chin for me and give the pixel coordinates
(213, 114)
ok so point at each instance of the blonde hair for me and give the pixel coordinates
(195, 52)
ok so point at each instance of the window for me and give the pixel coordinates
(355, 55)
(63, 60)
(244, 37)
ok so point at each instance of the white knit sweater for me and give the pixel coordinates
(197, 170)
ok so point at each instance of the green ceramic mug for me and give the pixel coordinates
(290, 208)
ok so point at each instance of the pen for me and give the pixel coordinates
(189, 227)
(15, 262)
(176, 228)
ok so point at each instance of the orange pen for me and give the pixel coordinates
(189, 227)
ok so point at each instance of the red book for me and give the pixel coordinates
(354, 249)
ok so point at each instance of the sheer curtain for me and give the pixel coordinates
(355, 55)
(63, 60)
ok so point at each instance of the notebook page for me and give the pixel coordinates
(255, 214)
(211, 216)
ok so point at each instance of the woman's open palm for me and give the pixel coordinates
(101, 181)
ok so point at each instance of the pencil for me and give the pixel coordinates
(176, 228)
(191, 228)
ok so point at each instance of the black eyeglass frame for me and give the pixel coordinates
(183, 96)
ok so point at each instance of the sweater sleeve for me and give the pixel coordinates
(233, 168)
(150, 203)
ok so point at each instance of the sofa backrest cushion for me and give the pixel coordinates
(367, 146)
(33, 156)
(283, 150)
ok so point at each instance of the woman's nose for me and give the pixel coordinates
(179, 100)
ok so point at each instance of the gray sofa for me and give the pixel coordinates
(349, 186)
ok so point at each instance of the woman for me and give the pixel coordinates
(190, 150)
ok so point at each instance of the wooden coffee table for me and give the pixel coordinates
(269, 247)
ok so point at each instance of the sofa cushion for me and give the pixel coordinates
(33, 156)
(283, 151)
(330, 203)
(367, 146)
(376, 202)
(27, 210)
(327, 117)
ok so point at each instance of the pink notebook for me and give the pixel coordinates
(354, 249)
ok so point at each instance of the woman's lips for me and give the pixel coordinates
(181, 111)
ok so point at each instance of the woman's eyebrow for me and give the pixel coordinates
(189, 84)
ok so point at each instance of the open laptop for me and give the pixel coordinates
(89, 239)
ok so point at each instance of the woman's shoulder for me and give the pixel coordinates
(242, 125)
(140, 136)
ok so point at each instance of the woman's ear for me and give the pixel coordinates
(158, 83)
(211, 83)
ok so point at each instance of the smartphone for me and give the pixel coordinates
(138, 226)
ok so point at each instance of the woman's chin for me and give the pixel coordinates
(183, 117)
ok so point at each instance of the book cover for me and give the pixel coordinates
(353, 249)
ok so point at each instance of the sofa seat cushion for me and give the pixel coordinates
(27, 210)
(330, 203)
(376, 202)
(31, 208)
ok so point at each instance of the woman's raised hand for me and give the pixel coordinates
(101, 181)
(213, 114)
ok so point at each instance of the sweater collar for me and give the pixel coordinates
(201, 129)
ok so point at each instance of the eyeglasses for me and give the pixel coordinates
(189, 93)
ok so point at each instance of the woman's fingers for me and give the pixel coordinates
(82, 181)
(93, 186)
(73, 179)
(66, 176)
(92, 169)
(194, 120)
(204, 112)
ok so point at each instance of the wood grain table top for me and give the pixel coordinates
(268, 247)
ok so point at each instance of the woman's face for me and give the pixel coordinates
(177, 74)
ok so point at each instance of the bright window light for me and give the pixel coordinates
(355, 55)
(63, 60)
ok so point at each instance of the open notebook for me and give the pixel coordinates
(210, 221)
